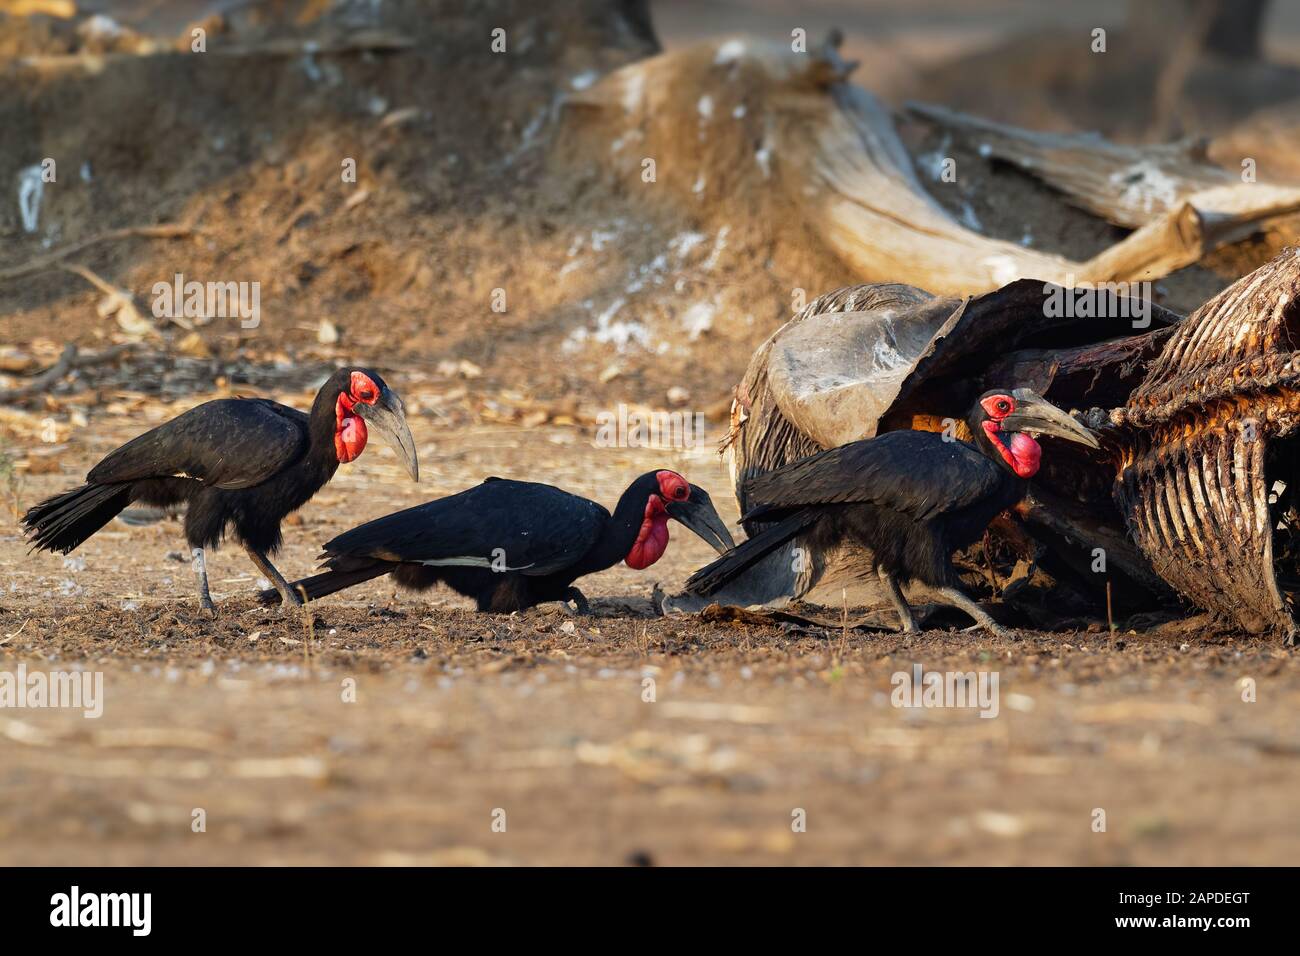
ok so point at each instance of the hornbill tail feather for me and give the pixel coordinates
(327, 582)
(66, 520)
(712, 577)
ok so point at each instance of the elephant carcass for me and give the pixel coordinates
(873, 358)
(1207, 457)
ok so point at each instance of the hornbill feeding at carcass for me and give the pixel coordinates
(242, 463)
(911, 497)
(513, 544)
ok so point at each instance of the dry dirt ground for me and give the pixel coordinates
(459, 716)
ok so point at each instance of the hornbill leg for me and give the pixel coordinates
(201, 573)
(955, 598)
(579, 600)
(906, 621)
(287, 593)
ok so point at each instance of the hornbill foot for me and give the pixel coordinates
(288, 596)
(579, 600)
(955, 598)
(906, 622)
(993, 628)
(201, 575)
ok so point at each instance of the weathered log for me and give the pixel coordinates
(836, 156)
(1131, 186)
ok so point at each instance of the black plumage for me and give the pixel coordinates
(238, 464)
(913, 498)
(510, 545)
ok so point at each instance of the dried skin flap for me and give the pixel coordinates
(835, 378)
(836, 375)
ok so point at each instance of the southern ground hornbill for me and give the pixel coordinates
(513, 544)
(911, 497)
(237, 463)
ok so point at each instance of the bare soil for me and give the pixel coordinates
(458, 715)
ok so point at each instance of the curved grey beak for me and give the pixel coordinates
(387, 415)
(1037, 416)
(698, 514)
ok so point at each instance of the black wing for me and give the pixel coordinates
(916, 473)
(521, 526)
(227, 443)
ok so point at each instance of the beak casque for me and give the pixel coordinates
(698, 514)
(1037, 415)
(388, 417)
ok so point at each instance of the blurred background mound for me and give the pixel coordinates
(503, 213)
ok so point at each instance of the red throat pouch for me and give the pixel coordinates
(1023, 456)
(350, 431)
(652, 540)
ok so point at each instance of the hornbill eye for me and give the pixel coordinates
(1004, 406)
(672, 486)
(363, 388)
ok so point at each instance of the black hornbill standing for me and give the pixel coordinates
(513, 544)
(911, 497)
(242, 463)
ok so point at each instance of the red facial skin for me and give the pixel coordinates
(350, 430)
(652, 541)
(1025, 454)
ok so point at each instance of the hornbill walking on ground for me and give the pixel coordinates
(513, 544)
(911, 497)
(242, 463)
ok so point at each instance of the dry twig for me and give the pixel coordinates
(52, 259)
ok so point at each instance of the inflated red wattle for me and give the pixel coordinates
(350, 432)
(1023, 456)
(652, 540)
